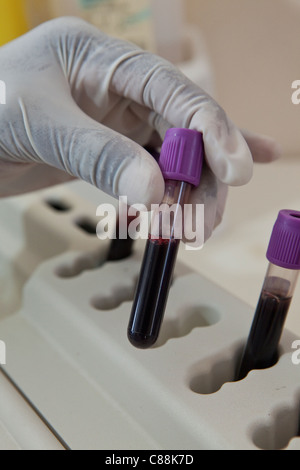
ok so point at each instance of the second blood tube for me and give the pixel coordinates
(261, 350)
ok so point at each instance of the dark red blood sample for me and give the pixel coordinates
(152, 291)
(261, 349)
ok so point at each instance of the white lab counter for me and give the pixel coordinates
(234, 258)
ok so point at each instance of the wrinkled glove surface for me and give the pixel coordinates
(81, 104)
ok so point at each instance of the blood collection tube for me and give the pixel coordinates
(283, 253)
(181, 165)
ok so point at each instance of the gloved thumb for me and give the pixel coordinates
(82, 147)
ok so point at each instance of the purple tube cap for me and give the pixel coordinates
(182, 155)
(284, 245)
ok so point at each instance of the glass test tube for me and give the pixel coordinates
(181, 164)
(283, 253)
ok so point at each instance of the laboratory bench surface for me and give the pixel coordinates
(233, 258)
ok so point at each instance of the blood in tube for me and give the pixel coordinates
(152, 291)
(262, 347)
(181, 164)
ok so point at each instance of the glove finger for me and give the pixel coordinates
(263, 148)
(121, 69)
(153, 119)
(162, 88)
(85, 149)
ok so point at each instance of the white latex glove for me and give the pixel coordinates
(82, 104)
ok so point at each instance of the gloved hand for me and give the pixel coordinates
(81, 104)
